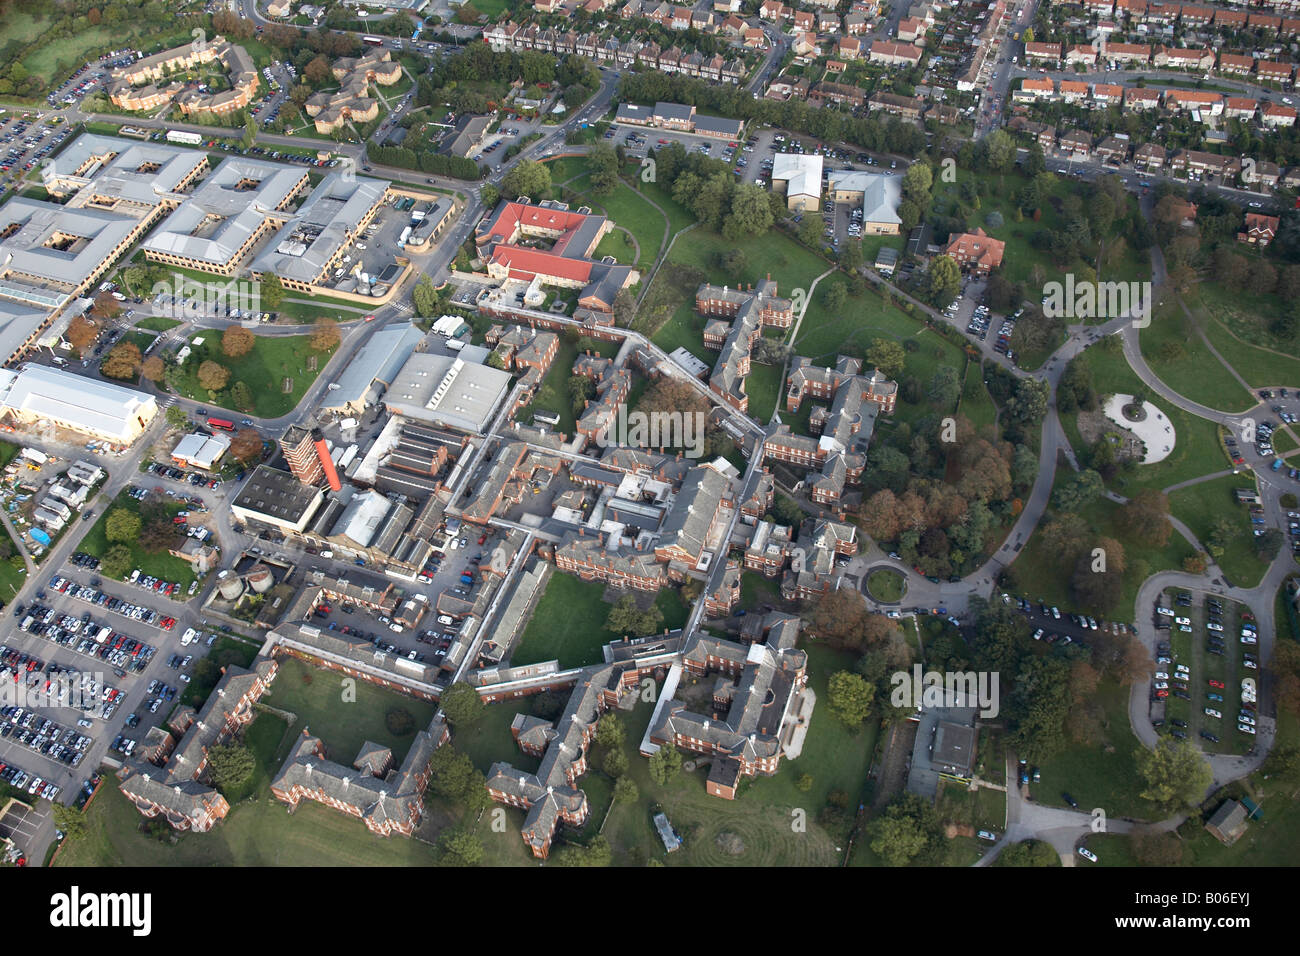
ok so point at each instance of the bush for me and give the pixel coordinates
(399, 721)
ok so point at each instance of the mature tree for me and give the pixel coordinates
(528, 178)
(907, 832)
(945, 281)
(842, 620)
(123, 361)
(750, 213)
(852, 257)
(1029, 853)
(850, 697)
(665, 764)
(1039, 706)
(158, 535)
(241, 396)
(231, 766)
(602, 167)
(213, 376)
(424, 298)
(237, 341)
(625, 790)
(117, 561)
(1176, 774)
(999, 641)
(325, 335)
(462, 705)
(271, 291)
(246, 446)
(462, 846)
(945, 387)
(886, 355)
(105, 306)
(609, 731)
(879, 516)
(1079, 491)
(153, 368)
(917, 182)
(625, 618)
(70, 820)
(835, 297)
(122, 526)
(81, 332)
(614, 763)
(452, 773)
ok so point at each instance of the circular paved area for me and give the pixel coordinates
(1156, 431)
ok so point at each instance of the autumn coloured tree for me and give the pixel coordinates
(122, 362)
(81, 332)
(213, 376)
(237, 341)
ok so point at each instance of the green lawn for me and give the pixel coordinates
(161, 565)
(885, 584)
(976, 403)
(156, 323)
(1236, 323)
(629, 211)
(274, 363)
(323, 701)
(1176, 352)
(1100, 773)
(1199, 506)
(568, 625)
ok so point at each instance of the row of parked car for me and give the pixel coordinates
(135, 612)
(85, 636)
(21, 781)
(42, 735)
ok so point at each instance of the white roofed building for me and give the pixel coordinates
(39, 394)
(799, 178)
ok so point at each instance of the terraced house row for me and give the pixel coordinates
(1201, 105)
(649, 55)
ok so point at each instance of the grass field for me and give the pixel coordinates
(156, 323)
(323, 702)
(568, 625)
(628, 211)
(885, 584)
(1200, 506)
(1100, 773)
(264, 370)
(161, 565)
(1236, 323)
(1175, 351)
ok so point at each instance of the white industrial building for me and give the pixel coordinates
(37, 394)
(200, 451)
(798, 177)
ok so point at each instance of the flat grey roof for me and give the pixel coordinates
(448, 391)
(303, 246)
(40, 268)
(227, 207)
